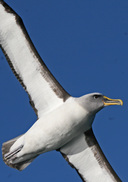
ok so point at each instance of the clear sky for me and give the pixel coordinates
(85, 45)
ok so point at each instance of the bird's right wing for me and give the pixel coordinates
(43, 89)
(85, 155)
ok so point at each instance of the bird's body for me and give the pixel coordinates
(53, 130)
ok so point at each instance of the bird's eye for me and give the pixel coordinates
(96, 96)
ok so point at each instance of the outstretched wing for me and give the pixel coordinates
(84, 154)
(44, 91)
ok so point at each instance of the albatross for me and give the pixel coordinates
(64, 122)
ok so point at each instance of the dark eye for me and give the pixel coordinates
(96, 96)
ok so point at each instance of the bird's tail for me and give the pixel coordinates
(10, 157)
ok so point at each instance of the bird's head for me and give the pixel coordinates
(94, 102)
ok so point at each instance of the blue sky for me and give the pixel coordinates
(85, 45)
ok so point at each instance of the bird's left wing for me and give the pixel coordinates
(84, 154)
(43, 89)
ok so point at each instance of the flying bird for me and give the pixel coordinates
(64, 123)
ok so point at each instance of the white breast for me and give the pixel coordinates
(56, 128)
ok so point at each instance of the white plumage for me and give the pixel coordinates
(64, 122)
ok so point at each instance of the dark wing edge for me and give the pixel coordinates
(55, 85)
(97, 153)
(92, 142)
(67, 159)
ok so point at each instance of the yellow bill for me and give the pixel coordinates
(108, 102)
